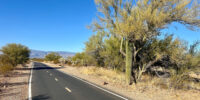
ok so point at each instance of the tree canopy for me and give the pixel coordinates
(53, 56)
(17, 53)
(139, 22)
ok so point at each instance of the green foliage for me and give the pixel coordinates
(180, 77)
(111, 53)
(83, 59)
(95, 42)
(68, 61)
(140, 22)
(56, 61)
(127, 34)
(185, 63)
(17, 53)
(53, 57)
(5, 65)
(101, 51)
(93, 47)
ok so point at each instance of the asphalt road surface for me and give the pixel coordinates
(51, 84)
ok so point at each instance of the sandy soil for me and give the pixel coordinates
(15, 86)
(140, 92)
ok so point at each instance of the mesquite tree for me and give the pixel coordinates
(17, 53)
(138, 21)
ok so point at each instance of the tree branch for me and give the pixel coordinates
(152, 62)
(138, 50)
(121, 51)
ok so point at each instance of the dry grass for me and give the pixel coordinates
(15, 86)
(152, 88)
(106, 74)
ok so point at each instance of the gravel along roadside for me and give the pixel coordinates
(15, 85)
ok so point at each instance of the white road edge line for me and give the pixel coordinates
(29, 86)
(68, 89)
(100, 88)
(97, 86)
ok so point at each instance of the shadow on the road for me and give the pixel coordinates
(40, 97)
(41, 66)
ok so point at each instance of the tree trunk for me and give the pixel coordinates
(129, 60)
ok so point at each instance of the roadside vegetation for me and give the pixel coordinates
(38, 59)
(13, 55)
(13, 60)
(53, 57)
(127, 40)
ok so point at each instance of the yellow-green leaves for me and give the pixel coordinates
(144, 18)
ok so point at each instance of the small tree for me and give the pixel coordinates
(82, 59)
(112, 57)
(17, 53)
(5, 65)
(139, 21)
(94, 46)
(53, 57)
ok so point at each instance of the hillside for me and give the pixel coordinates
(41, 54)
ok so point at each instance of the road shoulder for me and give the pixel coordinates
(15, 86)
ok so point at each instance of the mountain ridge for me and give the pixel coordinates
(42, 54)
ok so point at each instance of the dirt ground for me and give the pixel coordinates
(15, 85)
(144, 91)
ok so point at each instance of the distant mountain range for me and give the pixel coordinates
(42, 54)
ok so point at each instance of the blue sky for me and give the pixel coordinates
(56, 25)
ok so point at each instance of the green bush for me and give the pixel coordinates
(17, 53)
(68, 61)
(56, 61)
(180, 77)
(53, 57)
(4, 69)
(5, 65)
(178, 81)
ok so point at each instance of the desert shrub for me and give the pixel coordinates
(68, 61)
(185, 63)
(178, 80)
(4, 69)
(5, 65)
(17, 53)
(111, 54)
(54, 57)
(83, 59)
(56, 61)
(93, 48)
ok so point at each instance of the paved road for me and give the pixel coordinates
(51, 84)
